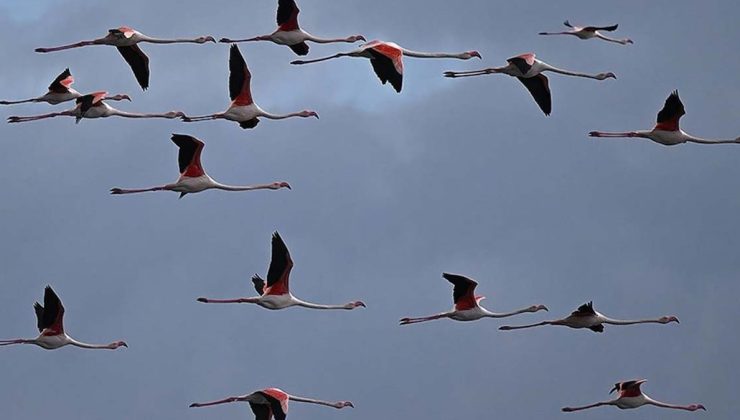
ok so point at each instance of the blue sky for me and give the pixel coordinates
(389, 191)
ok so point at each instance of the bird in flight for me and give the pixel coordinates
(529, 70)
(125, 39)
(289, 33)
(589, 32)
(275, 292)
(467, 304)
(60, 90)
(272, 403)
(243, 110)
(586, 317)
(630, 396)
(50, 319)
(193, 177)
(93, 106)
(666, 130)
(387, 59)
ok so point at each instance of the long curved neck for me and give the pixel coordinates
(606, 38)
(319, 306)
(318, 40)
(80, 344)
(242, 188)
(490, 314)
(311, 401)
(417, 54)
(280, 116)
(151, 40)
(707, 141)
(630, 322)
(547, 67)
(651, 401)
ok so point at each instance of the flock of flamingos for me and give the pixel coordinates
(273, 292)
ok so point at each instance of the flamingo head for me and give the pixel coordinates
(470, 54)
(535, 308)
(308, 113)
(627, 41)
(342, 404)
(204, 39)
(604, 76)
(121, 98)
(694, 407)
(355, 38)
(117, 344)
(355, 304)
(280, 184)
(668, 319)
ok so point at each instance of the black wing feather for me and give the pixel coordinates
(601, 28)
(300, 49)
(279, 261)
(539, 87)
(55, 86)
(463, 285)
(249, 123)
(585, 309)
(52, 307)
(261, 411)
(520, 63)
(39, 316)
(385, 70)
(85, 103)
(275, 406)
(188, 146)
(238, 72)
(259, 283)
(285, 10)
(672, 108)
(139, 63)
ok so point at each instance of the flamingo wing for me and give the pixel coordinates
(188, 156)
(388, 65)
(278, 400)
(240, 78)
(539, 87)
(139, 63)
(259, 283)
(601, 28)
(287, 15)
(523, 62)
(62, 83)
(84, 103)
(464, 292)
(628, 389)
(50, 317)
(672, 111)
(300, 48)
(567, 23)
(587, 309)
(280, 266)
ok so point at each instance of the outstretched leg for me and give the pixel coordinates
(15, 119)
(202, 118)
(490, 70)
(407, 321)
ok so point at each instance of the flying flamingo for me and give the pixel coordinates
(126, 40)
(50, 323)
(272, 402)
(275, 294)
(467, 306)
(60, 91)
(290, 34)
(193, 178)
(387, 59)
(586, 317)
(630, 396)
(588, 32)
(93, 106)
(529, 71)
(243, 109)
(666, 131)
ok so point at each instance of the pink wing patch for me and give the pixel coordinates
(127, 32)
(98, 96)
(67, 82)
(390, 50)
(528, 58)
(279, 395)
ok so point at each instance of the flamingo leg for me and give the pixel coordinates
(407, 321)
(605, 134)
(16, 341)
(15, 119)
(239, 300)
(202, 118)
(471, 73)
(206, 404)
(66, 47)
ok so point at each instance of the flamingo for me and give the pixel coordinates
(290, 34)
(126, 40)
(630, 396)
(243, 109)
(528, 70)
(93, 106)
(272, 402)
(387, 59)
(193, 178)
(60, 91)
(467, 306)
(588, 32)
(666, 131)
(50, 323)
(275, 294)
(586, 317)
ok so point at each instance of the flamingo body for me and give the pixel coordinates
(590, 32)
(631, 397)
(275, 292)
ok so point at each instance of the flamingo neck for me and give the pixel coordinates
(311, 401)
(490, 314)
(418, 54)
(111, 346)
(630, 322)
(318, 40)
(144, 38)
(320, 306)
(242, 188)
(547, 67)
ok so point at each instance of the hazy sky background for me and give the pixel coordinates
(389, 190)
